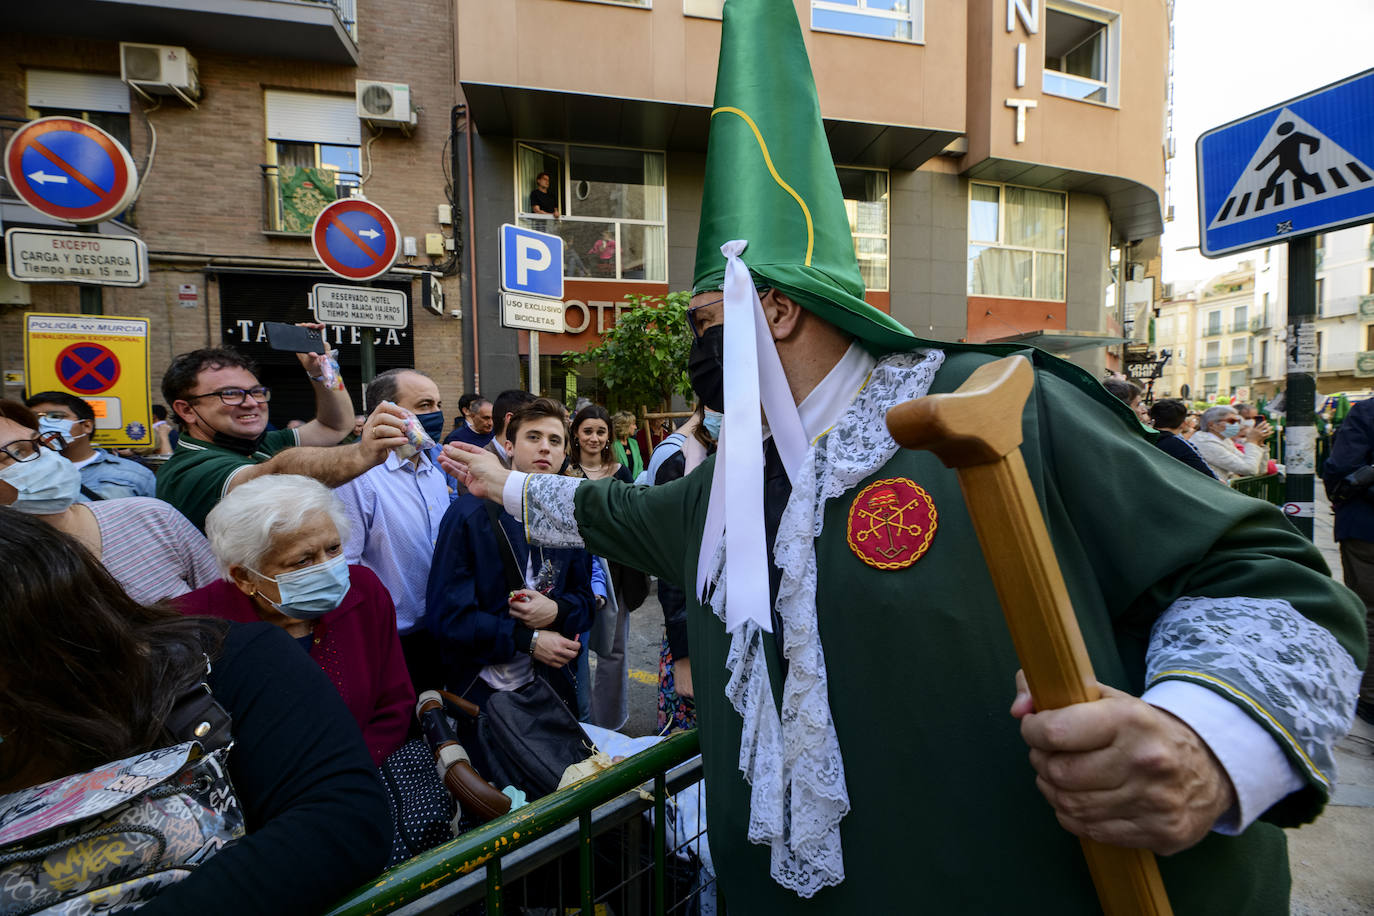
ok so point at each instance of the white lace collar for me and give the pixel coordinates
(792, 762)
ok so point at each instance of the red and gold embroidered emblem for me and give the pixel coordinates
(891, 523)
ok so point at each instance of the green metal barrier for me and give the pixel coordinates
(1268, 487)
(487, 845)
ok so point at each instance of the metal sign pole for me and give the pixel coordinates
(1300, 431)
(534, 363)
(369, 355)
(92, 297)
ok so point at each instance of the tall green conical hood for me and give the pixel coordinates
(770, 179)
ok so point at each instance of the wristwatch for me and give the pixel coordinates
(534, 638)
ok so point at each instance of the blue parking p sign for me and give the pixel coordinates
(531, 262)
(1303, 166)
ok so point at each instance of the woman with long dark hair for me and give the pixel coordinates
(89, 676)
(591, 453)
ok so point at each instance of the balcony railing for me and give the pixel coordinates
(1339, 307)
(1209, 362)
(347, 11)
(293, 196)
(1238, 359)
(1240, 325)
(1260, 323)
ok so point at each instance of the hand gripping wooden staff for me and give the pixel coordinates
(977, 431)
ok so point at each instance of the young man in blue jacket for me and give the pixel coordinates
(503, 610)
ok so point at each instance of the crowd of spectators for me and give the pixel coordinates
(389, 578)
(1224, 441)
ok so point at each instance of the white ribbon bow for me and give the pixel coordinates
(753, 378)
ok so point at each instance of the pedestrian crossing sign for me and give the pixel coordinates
(1300, 167)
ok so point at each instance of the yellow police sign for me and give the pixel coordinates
(102, 359)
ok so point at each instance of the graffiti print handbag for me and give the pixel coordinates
(109, 839)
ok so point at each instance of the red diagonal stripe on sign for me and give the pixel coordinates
(87, 369)
(70, 170)
(357, 240)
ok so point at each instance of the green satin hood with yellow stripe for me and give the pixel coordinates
(770, 179)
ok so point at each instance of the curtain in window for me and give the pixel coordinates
(1035, 219)
(999, 272)
(529, 163)
(655, 238)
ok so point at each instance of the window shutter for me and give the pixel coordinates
(76, 91)
(307, 117)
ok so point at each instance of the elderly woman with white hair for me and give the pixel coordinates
(279, 541)
(1215, 440)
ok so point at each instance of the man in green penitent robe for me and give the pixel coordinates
(851, 666)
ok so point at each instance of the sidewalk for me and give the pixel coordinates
(1330, 859)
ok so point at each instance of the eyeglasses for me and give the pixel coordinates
(27, 449)
(233, 397)
(691, 317)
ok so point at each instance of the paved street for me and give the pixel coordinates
(1330, 859)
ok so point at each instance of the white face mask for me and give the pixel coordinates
(64, 427)
(47, 484)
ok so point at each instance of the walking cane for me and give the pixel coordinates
(977, 431)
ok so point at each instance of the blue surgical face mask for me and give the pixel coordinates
(47, 485)
(433, 422)
(712, 422)
(310, 593)
(55, 425)
(1232, 430)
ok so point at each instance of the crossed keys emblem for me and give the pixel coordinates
(886, 501)
(890, 519)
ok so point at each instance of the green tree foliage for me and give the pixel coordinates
(643, 359)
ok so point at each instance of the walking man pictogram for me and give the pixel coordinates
(1289, 153)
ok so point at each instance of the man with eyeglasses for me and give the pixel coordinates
(223, 411)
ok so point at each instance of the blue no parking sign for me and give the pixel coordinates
(70, 170)
(531, 262)
(1303, 166)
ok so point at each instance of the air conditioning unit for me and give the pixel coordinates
(160, 70)
(385, 104)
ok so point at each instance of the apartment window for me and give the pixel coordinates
(1263, 369)
(1213, 354)
(865, 202)
(1240, 319)
(1264, 313)
(1213, 322)
(901, 20)
(612, 204)
(1238, 379)
(1081, 51)
(92, 97)
(1240, 350)
(1321, 292)
(313, 157)
(1209, 386)
(1016, 242)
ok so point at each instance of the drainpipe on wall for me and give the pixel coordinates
(474, 372)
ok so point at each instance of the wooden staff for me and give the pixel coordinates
(977, 431)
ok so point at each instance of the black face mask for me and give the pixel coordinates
(706, 367)
(233, 443)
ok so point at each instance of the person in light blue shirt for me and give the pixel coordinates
(103, 475)
(395, 510)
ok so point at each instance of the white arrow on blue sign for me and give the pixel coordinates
(531, 262)
(1303, 166)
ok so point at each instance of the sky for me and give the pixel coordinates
(1235, 58)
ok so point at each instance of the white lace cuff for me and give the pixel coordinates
(1252, 759)
(545, 503)
(1289, 675)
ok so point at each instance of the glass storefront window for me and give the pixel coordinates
(866, 204)
(1016, 242)
(611, 205)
